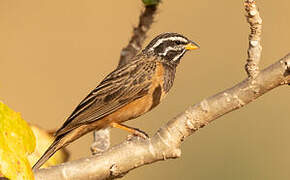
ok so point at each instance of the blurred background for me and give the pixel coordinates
(53, 53)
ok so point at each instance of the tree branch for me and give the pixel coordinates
(165, 144)
(255, 48)
(139, 34)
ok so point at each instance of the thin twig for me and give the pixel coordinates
(165, 144)
(255, 48)
(139, 35)
(101, 141)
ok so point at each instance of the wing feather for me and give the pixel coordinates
(118, 89)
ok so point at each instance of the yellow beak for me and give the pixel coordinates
(191, 46)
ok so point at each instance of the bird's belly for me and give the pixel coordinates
(131, 111)
(134, 109)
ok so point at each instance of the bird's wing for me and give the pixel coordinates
(118, 89)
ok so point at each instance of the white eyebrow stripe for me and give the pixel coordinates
(166, 39)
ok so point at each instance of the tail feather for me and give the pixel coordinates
(61, 141)
(47, 154)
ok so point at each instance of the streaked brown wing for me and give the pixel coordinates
(118, 89)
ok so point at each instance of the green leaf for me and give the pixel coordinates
(150, 2)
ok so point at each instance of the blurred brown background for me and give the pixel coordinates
(54, 52)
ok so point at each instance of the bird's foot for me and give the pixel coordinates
(134, 131)
(140, 133)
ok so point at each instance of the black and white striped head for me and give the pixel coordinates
(170, 46)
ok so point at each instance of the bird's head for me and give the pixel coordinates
(170, 47)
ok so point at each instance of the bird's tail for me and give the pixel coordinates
(55, 146)
(61, 141)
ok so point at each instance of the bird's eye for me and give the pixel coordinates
(177, 42)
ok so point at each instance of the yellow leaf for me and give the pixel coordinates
(17, 141)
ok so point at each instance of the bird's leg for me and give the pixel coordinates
(132, 130)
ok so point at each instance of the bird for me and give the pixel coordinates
(126, 93)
